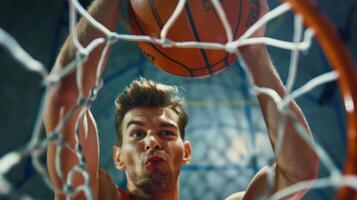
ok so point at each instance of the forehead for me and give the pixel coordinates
(151, 115)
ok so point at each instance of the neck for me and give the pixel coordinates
(168, 193)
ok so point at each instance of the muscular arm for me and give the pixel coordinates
(295, 160)
(62, 97)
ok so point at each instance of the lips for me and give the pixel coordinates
(154, 159)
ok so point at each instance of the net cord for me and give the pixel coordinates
(36, 146)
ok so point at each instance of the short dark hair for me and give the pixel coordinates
(147, 93)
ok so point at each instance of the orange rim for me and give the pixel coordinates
(340, 59)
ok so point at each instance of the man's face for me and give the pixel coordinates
(152, 151)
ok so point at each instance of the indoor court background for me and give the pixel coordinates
(226, 129)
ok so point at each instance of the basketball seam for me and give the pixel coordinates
(153, 46)
(197, 37)
(236, 29)
(212, 65)
(190, 70)
(156, 14)
(205, 74)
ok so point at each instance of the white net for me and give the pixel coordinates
(302, 41)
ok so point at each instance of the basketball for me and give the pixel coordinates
(199, 22)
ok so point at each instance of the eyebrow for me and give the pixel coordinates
(167, 124)
(134, 122)
(140, 123)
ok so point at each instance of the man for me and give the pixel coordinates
(150, 121)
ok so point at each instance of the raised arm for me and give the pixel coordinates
(63, 97)
(295, 161)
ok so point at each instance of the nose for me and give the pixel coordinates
(152, 143)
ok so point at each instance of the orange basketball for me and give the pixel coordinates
(198, 22)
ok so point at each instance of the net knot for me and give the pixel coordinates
(95, 90)
(50, 81)
(335, 178)
(81, 54)
(282, 107)
(167, 42)
(81, 101)
(111, 38)
(231, 47)
(68, 189)
(53, 137)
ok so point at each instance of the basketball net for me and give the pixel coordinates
(301, 42)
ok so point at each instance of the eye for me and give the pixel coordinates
(167, 133)
(137, 134)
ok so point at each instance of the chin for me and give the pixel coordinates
(158, 181)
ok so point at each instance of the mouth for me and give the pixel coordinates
(154, 161)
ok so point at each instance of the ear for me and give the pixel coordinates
(117, 158)
(187, 152)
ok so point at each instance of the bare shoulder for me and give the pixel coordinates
(236, 196)
(255, 188)
(107, 188)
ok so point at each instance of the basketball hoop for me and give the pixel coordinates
(326, 35)
(340, 60)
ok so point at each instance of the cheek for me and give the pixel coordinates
(132, 155)
(177, 154)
